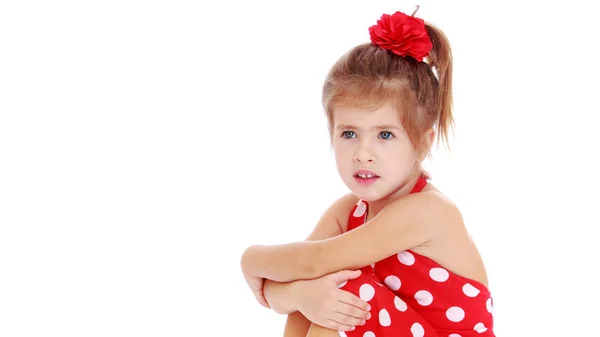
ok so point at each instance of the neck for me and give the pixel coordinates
(377, 205)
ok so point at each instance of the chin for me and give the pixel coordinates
(367, 194)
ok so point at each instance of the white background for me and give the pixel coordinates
(144, 145)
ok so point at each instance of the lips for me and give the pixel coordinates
(365, 178)
(364, 174)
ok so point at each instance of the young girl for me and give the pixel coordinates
(393, 257)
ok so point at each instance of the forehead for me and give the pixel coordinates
(366, 118)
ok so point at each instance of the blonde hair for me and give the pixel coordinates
(368, 77)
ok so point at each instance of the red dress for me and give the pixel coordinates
(412, 295)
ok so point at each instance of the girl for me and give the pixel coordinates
(396, 247)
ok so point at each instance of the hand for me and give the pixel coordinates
(256, 285)
(324, 303)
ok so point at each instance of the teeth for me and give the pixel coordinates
(366, 175)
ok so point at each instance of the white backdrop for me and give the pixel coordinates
(145, 144)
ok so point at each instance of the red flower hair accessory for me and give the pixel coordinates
(402, 35)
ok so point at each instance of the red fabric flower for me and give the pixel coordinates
(402, 35)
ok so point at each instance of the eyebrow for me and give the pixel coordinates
(378, 127)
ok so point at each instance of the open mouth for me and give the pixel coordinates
(366, 175)
(366, 178)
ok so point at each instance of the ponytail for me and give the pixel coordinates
(440, 58)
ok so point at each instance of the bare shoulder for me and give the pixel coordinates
(443, 207)
(341, 209)
(334, 220)
(452, 246)
(438, 210)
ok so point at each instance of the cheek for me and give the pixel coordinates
(341, 156)
(402, 155)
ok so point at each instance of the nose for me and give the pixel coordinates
(364, 153)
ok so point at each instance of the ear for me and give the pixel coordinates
(428, 139)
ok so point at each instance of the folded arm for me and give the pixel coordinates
(404, 224)
(280, 295)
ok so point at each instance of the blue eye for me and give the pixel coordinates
(348, 134)
(386, 135)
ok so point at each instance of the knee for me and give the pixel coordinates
(319, 331)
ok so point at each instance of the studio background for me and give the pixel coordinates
(145, 144)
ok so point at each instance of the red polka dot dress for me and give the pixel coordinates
(412, 295)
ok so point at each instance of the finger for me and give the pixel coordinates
(345, 275)
(350, 298)
(333, 325)
(347, 320)
(352, 311)
(262, 300)
(264, 303)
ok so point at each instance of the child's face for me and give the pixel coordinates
(373, 141)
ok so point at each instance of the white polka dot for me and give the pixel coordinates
(479, 327)
(489, 305)
(424, 297)
(406, 258)
(417, 330)
(454, 335)
(455, 314)
(439, 274)
(393, 282)
(384, 318)
(470, 290)
(400, 304)
(369, 334)
(366, 292)
(360, 209)
(342, 334)
(342, 284)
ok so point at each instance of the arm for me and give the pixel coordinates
(280, 295)
(404, 224)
